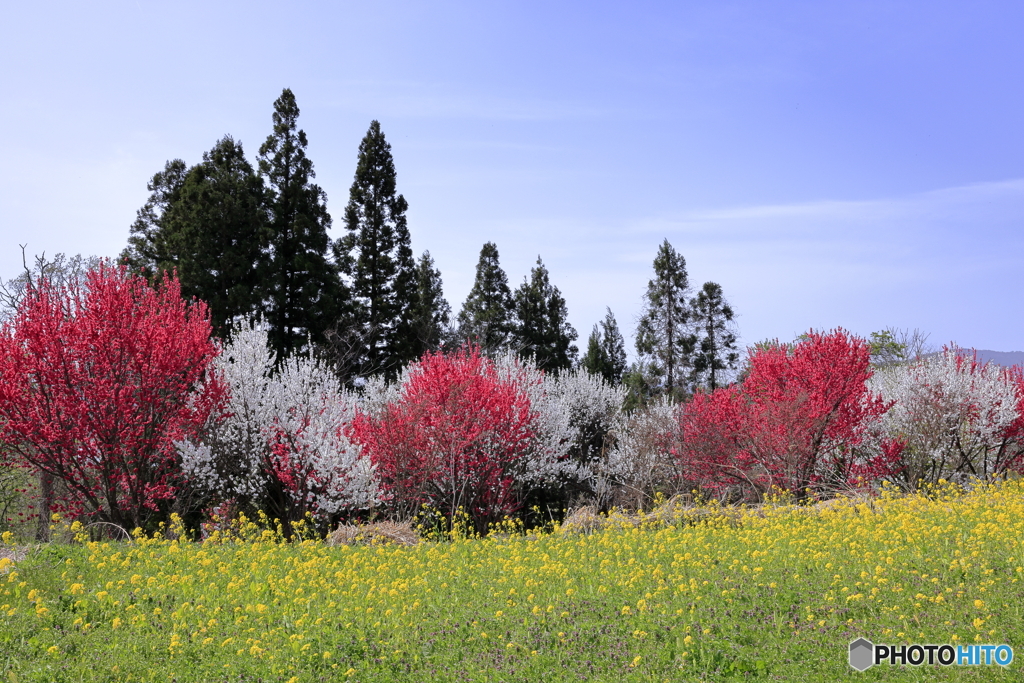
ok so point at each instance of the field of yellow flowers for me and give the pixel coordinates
(772, 593)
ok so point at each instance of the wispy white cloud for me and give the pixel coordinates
(946, 261)
(988, 206)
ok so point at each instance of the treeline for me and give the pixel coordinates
(118, 401)
(252, 242)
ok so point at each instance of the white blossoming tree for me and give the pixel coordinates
(952, 415)
(642, 463)
(280, 441)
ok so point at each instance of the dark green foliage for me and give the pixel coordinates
(486, 316)
(207, 223)
(593, 360)
(663, 334)
(542, 331)
(431, 314)
(643, 384)
(378, 258)
(302, 290)
(716, 340)
(153, 247)
(606, 350)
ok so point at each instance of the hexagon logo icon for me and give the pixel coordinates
(862, 654)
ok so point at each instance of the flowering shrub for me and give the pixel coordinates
(953, 417)
(281, 439)
(642, 464)
(591, 410)
(456, 438)
(96, 384)
(573, 418)
(793, 424)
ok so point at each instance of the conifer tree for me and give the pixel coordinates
(663, 333)
(152, 247)
(379, 259)
(542, 331)
(594, 360)
(221, 209)
(606, 350)
(614, 348)
(431, 314)
(207, 223)
(302, 291)
(486, 316)
(716, 339)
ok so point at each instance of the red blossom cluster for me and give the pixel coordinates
(456, 438)
(793, 424)
(96, 384)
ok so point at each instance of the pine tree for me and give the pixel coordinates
(152, 247)
(716, 341)
(486, 316)
(221, 208)
(594, 359)
(606, 351)
(208, 224)
(431, 314)
(542, 331)
(663, 334)
(303, 292)
(379, 259)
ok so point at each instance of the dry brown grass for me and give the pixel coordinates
(400, 533)
(14, 554)
(583, 520)
(677, 510)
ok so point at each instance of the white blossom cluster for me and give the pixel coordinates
(592, 408)
(950, 412)
(301, 407)
(641, 462)
(547, 459)
(577, 415)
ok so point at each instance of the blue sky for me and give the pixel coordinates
(829, 164)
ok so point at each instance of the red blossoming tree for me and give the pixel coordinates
(457, 437)
(95, 385)
(794, 424)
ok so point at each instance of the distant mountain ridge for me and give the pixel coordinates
(1004, 358)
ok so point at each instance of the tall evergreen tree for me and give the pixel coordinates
(303, 292)
(207, 223)
(542, 331)
(606, 350)
(663, 333)
(221, 208)
(379, 259)
(486, 316)
(431, 314)
(594, 360)
(614, 348)
(716, 339)
(152, 246)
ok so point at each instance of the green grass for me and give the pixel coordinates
(770, 594)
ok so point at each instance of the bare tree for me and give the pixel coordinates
(60, 271)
